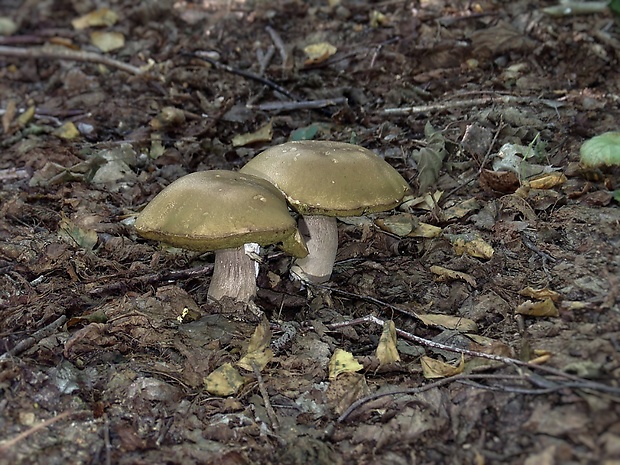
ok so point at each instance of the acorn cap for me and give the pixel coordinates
(214, 210)
(330, 178)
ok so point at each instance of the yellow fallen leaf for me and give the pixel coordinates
(445, 274)
(258, 354)
(548, 181)
(426, 230)
(224, 381)
(26, 117)
(448, 321)
(67, 131)
(544, 308)
(343, 362)
(318, 53)
(101, 17)
(470, 244)
(107, 41)
(264, 134)
(427, 202)
(387, 352)
(432, 368)
(544, 293)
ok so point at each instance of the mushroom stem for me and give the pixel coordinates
(321, 236)
(234, 276)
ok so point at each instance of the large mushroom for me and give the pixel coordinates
(223, 211)
(321, 181)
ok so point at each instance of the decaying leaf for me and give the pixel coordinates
(401, 224)
(544, 293)
(548, 181)
(471, 244)
(505, 182)
(426, 202)
(107, 41)
(318, 53)
(73, 234)
(264, 134)
(543, 308)
(259, 354)
(224, 381)
(345, 390)
(426, 230)
(445, 274)
(343, 362)
(447, 321)
(387, 352)
(432, 369)
(460, 210)
(101, 17)
(430, 158)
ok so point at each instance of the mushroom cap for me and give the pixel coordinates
(214, 210)
(330, 178)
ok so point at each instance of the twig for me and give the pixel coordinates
(457, 378)
(5, 446)
(507, 99)
(243, 73)
(585, 384)
(301, 105)
(35, 338)
(279, 43)
(275, 424)
(154, 278)
(71, 55)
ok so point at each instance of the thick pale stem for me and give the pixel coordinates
(321, 236)
(234, 276)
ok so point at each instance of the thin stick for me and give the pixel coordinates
(155, 278)
(275, 424)
(302, 105)
(507, 99)
(70, 55)
(279, 43)
(586, 384)
(35, 338)
(4, 447)
(243, 73)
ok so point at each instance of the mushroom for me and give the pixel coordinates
(223, 211)
(321, 181)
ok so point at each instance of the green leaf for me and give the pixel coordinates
(601, 150)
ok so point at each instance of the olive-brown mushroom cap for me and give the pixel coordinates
(330, 178)
(217, 209)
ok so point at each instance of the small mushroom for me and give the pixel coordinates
(321, 181)
(222, 211)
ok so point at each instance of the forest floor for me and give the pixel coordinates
(503, 283)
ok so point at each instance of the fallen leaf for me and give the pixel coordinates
(224, 381)
(446, 274)
(258, 353)
(107, 41)
(544, 308)
(101, 17)
(432, 368)
(387, 352)
(264, 134)
(426, 230)
(73, 234)
(548, 181)
(447, 321)
(426, 202)
(343, 362)
(67, 131)
(401, 224)
(460, 210)
(470, 244)
(544, 293)
(345, 390)
(318, 53)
